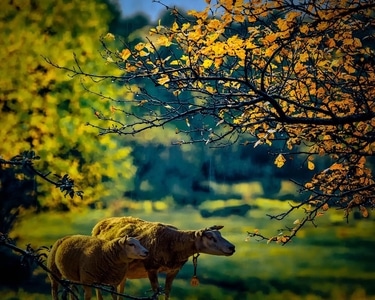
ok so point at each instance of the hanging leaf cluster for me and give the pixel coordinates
(300, 74)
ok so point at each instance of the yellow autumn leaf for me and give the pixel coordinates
(282, 24)
(125, 54)
(235, 42)
(109, 36)
(290, 17)
(270, 50)
(219, 49)
(214, 24)
(284, 239)
(331, 43)
(163, 41)
(336, 62)
(239, 18)
(207, 63)
(304, 57)
(139, 46)
(143, 53)
(130, 68)
(357, 42)
(249, 44)
(210, 89)
(364, 211)
(322, 26)
(349, 69)
(336, 166)
(362, 161)
(175, 62)
(304, 29)
(280, 160)
(185, 26)
(175, 26)
(348, 42)
(271, 37)
(218, 62)
(310, 165)
(163, 79)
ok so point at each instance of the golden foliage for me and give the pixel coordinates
(319, 66)
(125, 54)
(44, 110)
(299, 73)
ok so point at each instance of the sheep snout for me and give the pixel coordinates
(213, 243)
(134, 249)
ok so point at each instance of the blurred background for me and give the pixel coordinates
(191, 186)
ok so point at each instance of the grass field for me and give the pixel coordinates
(332, 261)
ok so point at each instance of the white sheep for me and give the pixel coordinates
(169, 248)
(90, 260)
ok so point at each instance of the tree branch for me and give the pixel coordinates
(39, 257)
(26, 161)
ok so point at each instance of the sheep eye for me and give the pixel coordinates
(212, 238)
(131, 244)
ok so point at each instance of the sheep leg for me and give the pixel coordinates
(55, 273)
(54, 289)
(120, 288)
(88, 292)
(114, 297)
(99, 294)
(72, 295)
(168, 282)
(153, 277)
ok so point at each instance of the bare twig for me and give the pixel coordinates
(26, 161)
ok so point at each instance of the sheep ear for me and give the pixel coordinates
(215, 227)
(123, 239)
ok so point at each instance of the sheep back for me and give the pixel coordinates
(157, 237)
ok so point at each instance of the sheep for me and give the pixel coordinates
(170, 248)
(90, 260)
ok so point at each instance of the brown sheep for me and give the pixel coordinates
(90, 260)
(169, 247)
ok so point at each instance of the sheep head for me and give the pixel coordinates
(210, 241)
(133, 248)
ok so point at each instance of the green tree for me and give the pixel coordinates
(44, 110)
(296, 74)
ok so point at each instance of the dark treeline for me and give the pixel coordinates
(164, 170)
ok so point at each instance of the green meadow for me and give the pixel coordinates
(334, 260)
